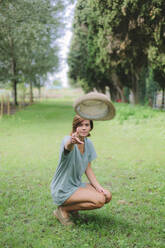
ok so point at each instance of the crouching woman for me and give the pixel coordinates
(69, 193)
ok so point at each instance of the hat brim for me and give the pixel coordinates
(94, 106)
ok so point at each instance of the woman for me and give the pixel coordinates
(68, 192)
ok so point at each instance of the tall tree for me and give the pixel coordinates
(28, 39)
(112, 39)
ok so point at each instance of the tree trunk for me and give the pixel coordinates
(14, 71)
(15, 91)
(39, 93)
(13, 65)
(135, 90)
(121, 94)
(118, 86)
(135, 76)
(135, 96)
(113, 93)
(31, 93)
(163, 96)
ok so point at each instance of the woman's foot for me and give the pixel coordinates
(64, 213)
(62, 217)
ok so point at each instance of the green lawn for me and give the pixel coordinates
(130, 163)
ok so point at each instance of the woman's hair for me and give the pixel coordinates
(76, 122)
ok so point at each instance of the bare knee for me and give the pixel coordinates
(100, 201)
(108, 196)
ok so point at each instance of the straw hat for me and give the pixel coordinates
(94, 106)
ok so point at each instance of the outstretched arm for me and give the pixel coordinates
(73, 140)
(92, 179)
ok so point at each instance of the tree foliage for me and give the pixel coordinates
(114, 43)
(28, 39)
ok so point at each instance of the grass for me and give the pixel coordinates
(130, 163)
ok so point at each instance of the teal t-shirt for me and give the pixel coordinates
(71, 166)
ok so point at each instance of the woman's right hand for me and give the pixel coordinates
(75, 139)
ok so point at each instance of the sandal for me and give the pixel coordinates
(64, 221)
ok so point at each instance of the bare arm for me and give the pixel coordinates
(73, 140)
(91, 176)
(92, 179)
(69, 145)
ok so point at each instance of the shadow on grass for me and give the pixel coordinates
(114, 224)
(101, 221)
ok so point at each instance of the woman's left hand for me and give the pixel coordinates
(100, 189)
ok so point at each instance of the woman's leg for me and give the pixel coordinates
(86, 198)
(108, 196)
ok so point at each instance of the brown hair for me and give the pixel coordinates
(76, 122)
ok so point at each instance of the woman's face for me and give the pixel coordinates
(83, 128)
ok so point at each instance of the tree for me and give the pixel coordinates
(112, 40)
(28, 39)
(83, 51)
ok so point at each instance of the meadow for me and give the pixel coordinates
(130, 163)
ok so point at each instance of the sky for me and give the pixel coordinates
(64, 42)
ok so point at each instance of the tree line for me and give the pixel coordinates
(29, 32)
(119, 44)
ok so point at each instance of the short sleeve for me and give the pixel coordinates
(91, 151)
(62, 155)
